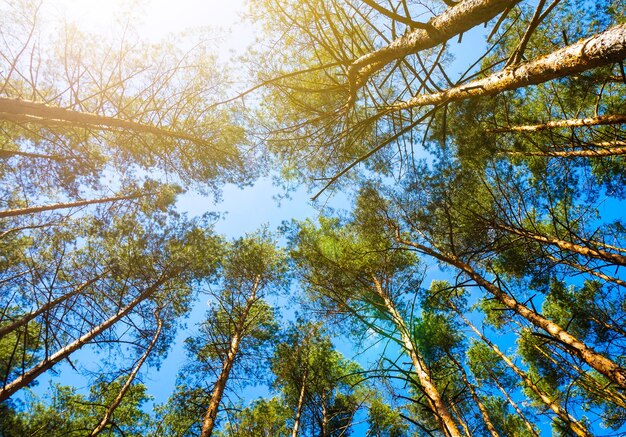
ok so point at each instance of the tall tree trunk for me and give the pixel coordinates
(602, 49)
(586, 153)
(454, 21)
(483, 410)
(218, 391)
(613, 258)
(554, 124)
(36, 209)
(602, 364)
(26, 111)
(65, 352)
(131, 377)
(572, 423)
(439, 408)
(296, 422)
(47, 306)
(517, 409)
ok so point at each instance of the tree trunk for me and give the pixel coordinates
(296, 422)
(218, 391)
(572, 424)
(554, 124)
(42, 309)
(613, 258)
(65, 352)
(517, 409)
(454, 21)
(483, 411)
(602, 49)
(602, 364)
(586, 153)
(439, 408)
(36, 209)
(26, 111)
(131, 377)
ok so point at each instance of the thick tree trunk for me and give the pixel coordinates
(46, 307)
(605, 48)
(517, 409)
(65, 352)
(613, 258)
(55, 206)
(483, 410)
(554, 124)
(220, 385)
(439, 408)
(131, 377)
(26, 111)
(602, 364)
(454, 21)
(296, 422)
(572, 423)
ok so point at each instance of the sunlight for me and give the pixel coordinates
(155, 18)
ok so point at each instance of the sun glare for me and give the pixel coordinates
(155, 18)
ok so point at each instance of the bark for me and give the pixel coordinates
(66, 351)
(35, 209)
(572, 423)
(602, 49)
(613, 258)
(220, 385)
(454, 21)
(517, 409)
(462, 421)
(27, 111)
(554, 124)
(483, 411)
(296, 422)
(131, 377)
(46, 307)
(439, 408)
(602, 364)
(587, 153)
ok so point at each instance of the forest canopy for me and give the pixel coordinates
(461, 270)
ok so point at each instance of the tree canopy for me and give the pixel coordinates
(462, 272)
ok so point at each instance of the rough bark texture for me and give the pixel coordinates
(66, 351)
(26, 111)
(439, 408)
(458, 19)
(554, 124)
(220, 385)
(131, 377)
(602, 364)
(587, 153)
(36, 209)
(601, 49)
(574, 425)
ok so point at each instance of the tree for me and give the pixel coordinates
(316, 382)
